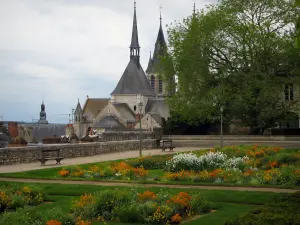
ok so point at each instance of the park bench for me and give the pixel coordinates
(167, 143)
(47, 154)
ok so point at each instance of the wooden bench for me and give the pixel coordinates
(48, 156)
(167, 143)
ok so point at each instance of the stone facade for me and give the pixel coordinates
(31, 154)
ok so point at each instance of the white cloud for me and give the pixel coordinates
(62, 49)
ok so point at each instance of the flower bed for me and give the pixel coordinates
(12, 198)
(254, 165)
(133, 207)
(249, 165)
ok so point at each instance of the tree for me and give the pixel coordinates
(228, 55)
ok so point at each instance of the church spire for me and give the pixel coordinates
(134, 46)
(194, 9)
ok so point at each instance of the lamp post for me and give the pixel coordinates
(221, 110)
(140, 105)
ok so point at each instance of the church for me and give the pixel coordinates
(138, 96)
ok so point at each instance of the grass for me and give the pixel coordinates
(228, 204)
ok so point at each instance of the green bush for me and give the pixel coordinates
(283, 211)
(149, 162)
(199, 205)
(134, 213)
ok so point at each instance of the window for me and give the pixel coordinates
(152, 82)
(160, 86)
(134, 108)
(289, 92)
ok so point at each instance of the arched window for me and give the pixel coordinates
(152, 82)
(160, 86)
(134, 108)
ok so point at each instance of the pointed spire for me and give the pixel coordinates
(149, 67)
(160, 18)
(194, 10)
(134, 46)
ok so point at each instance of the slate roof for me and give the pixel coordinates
(125, 111)
(41, 131)
(149, 67)
(109, 122)
(158, 106)
(93, 106)
(133, 81)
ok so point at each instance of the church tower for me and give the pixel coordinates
(43, 119)
(154, 69)
(133, 82)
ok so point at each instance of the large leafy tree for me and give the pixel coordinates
(229, 55)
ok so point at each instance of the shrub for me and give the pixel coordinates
(134, 213)
(199, 205)
(149, 162)
(15, 197)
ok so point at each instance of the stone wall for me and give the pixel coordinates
(32, 153)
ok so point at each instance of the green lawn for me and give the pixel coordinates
(227, 203)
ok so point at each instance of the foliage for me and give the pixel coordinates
(228, 55)
(149, 162)
(284, 210)
(12, 198)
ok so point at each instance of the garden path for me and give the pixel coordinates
(89, 159)
(114, 184)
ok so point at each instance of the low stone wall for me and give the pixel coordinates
(232, 137)
(32, 153)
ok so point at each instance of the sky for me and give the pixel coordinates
(60, 51)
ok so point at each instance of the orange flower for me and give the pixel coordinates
(176, 219)
(64, 173)
(215, 172)
(182, 198)
(273, 164)
(140, 172)
(146, 196)
(121, 166)
(86, 199)
(54, 222)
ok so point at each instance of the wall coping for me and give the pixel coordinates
(232, 137)
(75, 145)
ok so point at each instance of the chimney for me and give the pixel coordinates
(13, 129)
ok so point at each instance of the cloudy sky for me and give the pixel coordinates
(62, 50)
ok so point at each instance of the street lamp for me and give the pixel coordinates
(221, 110)
(140, 106)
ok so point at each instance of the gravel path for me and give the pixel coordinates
(110, 184)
